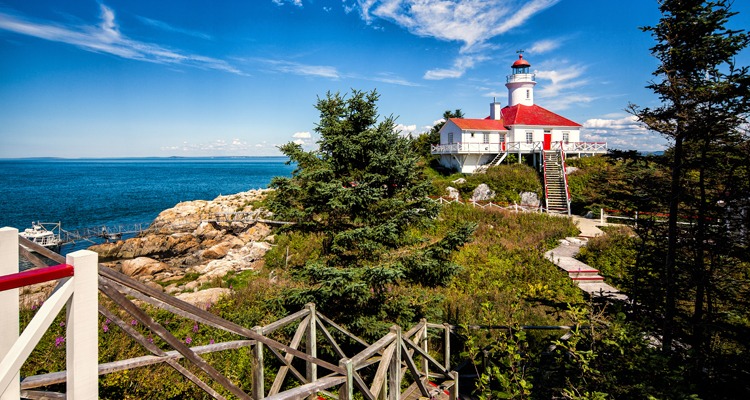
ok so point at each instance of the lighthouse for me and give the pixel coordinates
(520, 83)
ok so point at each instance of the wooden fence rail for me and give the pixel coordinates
(356, 368)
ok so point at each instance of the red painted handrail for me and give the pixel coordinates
(31, 277)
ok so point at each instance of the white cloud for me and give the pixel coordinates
(460, 65)
(406, 130)
(169, 28)
(300, 142)
(289, 67)
(297, 3)
(107, 38)
(473, 23)
(544, 46)
(302, 135)
(625, 133)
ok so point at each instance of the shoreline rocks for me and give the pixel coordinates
(195, 243)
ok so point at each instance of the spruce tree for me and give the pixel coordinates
(363, 191)
(705, 103)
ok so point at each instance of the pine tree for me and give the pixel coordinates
(705, 103)
(364, 192)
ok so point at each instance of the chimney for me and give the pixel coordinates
(495, 110)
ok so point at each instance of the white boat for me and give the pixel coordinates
(41, 235)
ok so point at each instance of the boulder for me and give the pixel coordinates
(204, 298)
(482, 193)
(459, 181)
(570, 170)
(529, 199)
(143, 266)
(453, 193)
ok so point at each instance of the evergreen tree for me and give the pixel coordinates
(704, 106)
(364, 193)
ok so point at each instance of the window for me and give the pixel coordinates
(450, 137)
(486, 138)
(529, 136)
(566, 136)
(528, 93)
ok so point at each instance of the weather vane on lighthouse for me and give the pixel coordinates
(520, 51)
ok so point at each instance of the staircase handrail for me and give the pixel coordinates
(565, 175)
(544, 174)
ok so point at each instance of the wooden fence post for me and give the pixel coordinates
(447, 345)
(311, 345)
(258, 377)
(454, 388)
(9, 306)
(346, 392)
(423, 338)
(394, 369)
(82, 329)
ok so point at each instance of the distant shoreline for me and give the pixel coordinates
(171, 158)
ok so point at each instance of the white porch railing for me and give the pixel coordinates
(523, 147)
(78, 293)
(581, 147)
(487, 148)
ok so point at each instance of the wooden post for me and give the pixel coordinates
(311, 345)
(9, 306)
(447, 345)
(393, 387)
(425, 362)
(346, 392)
(258, 377)
(636, 219)
(82, 341)
(454, 388)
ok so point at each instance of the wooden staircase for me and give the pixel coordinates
(555, 184)
(499, 158)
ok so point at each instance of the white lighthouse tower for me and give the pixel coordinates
(520, 84)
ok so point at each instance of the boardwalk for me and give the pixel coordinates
(586, 277)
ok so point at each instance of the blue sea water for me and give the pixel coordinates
(84, 193)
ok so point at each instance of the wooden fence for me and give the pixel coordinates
(400, 359)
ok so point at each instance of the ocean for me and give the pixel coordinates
(84, 193)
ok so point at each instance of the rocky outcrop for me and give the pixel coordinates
(529, 199)
(482, 193)
(195, 243)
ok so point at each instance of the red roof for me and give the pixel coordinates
(520, 63)
(479, 124)
(533, 115)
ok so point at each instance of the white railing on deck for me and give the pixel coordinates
(533, 147)
(80, 296)
(581, 147)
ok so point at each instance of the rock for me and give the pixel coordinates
(204, 298)
(255, 233)
(195, 236)
(459, 181)
(570, 170)
(529, 199)
(220, 250)
(142, 266)
(192, 286)
(482, 193)
(453, 193)
(154, 285)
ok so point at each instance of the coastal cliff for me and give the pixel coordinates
(194, 245)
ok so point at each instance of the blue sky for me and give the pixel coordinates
(117, 78)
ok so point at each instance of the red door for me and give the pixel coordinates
(547, 140)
